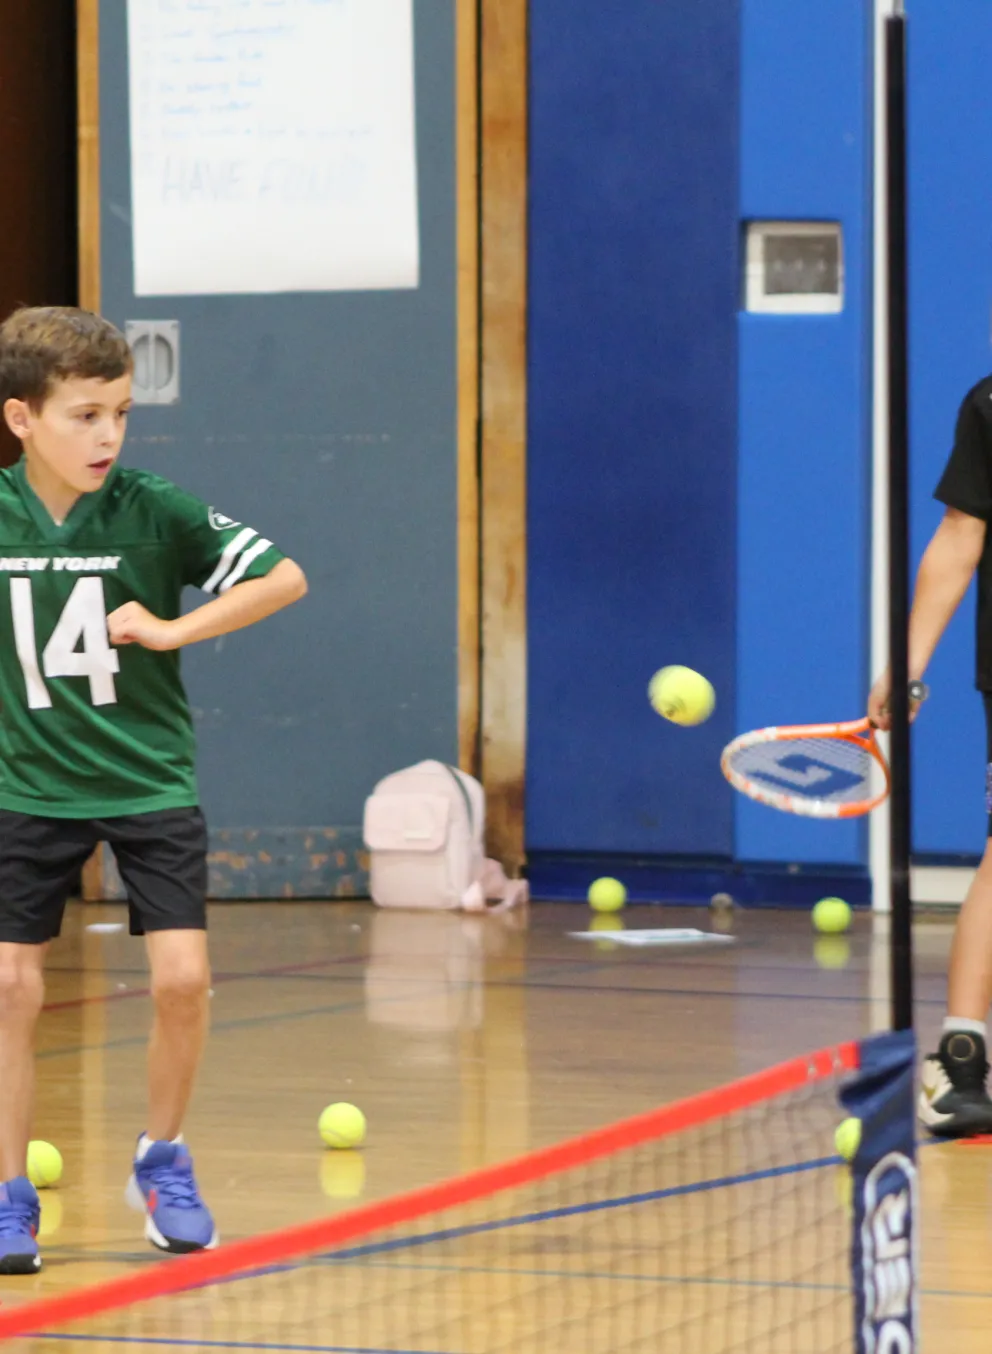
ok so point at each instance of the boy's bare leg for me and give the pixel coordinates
(22, 990)
(969, 986)
(180, 990)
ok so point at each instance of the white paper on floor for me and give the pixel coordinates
(667, 936)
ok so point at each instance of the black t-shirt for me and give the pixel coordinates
(966, 484)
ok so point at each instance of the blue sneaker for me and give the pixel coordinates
(164, 1188)
(20, 1213)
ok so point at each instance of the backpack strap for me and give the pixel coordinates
(463, 792)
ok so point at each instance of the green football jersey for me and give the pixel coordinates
(88, 730)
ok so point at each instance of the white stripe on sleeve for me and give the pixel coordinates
(231, 551)
(259, 548)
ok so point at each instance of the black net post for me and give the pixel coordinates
(898, 376)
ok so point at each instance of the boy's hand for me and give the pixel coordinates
(878, 703)
(134, 624)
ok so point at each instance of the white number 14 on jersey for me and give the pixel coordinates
(84, 618)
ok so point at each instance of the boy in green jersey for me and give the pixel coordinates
(96, 736)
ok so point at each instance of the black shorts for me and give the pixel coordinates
(162, 859)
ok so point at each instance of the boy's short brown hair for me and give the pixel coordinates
(40, 345)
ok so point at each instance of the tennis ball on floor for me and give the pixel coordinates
(681, 695)
(831, 916)
(847, 1139)
(606, 895)
(342, 1125)
(44, 1164)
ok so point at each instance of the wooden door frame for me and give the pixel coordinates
(503, 86)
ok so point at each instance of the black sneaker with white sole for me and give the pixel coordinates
(953, 1100)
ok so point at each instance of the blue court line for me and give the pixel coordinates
(543, 985)
(560, 964)
(247, 1022)
(730, 993)
(573, 1210)
(798, 1285)
(519, 1220)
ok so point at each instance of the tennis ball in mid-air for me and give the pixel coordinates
(681, 695)
(342, 1125)
(44, 1164)
(831, 916)
(606, 895)
(847, 1139)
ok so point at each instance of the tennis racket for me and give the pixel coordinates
(817, 770)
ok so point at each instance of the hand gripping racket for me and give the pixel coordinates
(817, 770)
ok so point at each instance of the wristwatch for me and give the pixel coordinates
(918, 691)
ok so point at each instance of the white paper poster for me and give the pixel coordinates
(273, 146)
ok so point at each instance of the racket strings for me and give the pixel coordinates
(829, 770)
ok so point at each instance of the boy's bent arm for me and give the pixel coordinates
(242, 605)
(944, 574)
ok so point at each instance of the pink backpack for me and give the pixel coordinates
(424, 830)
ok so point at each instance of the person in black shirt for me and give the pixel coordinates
(954, 1101)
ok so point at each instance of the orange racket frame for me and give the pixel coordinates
(859, 732)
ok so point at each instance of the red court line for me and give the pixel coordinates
(217, 980)
(207, 1267)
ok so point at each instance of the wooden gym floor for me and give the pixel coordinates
(466, 1041)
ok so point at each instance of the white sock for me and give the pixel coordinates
(963, 1026)
(144, 1142)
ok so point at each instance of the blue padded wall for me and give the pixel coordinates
(632, 418)
(805, 455)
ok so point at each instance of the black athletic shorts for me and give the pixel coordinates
(162, 859)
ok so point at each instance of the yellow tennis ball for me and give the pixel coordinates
(44, 1164)
(847, 1139)
(342, 1125)
(681, 695)
(606, 895)
(831, 916)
